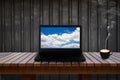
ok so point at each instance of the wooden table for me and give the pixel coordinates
(23, 63)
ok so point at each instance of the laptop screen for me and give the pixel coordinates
(60, 37)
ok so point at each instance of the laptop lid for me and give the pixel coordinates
(56, 39)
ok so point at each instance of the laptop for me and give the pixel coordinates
(60, 43)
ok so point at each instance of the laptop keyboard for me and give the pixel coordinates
(80, 58)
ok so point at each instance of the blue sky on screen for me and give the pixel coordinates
(57, 30)
(60, 37)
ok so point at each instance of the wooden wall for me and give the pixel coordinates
(20, 20)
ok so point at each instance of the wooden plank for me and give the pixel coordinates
(64, 11)
(98, 58)
(67, 64)
(112, 42)
(80, 2)
(59, 64)
(96, 62)
(70, 12)
(1, 25)
(112, 63)
(31, 61)
(22, 24)
(39, 5)
(46, 12)
(84, 23)
(92, 58)
(4, 59)
(44, 64)
(56, 12)
(31, 25)
(24, 61)
(118, 24)
(26, 25)
(51, 12)
(74, 12)
(93, 33)
(75, 64)
(103, 62)
(3, 54)
(52, 64)
(89, 13)
(36, 23)
(7, 25)
(7, 63)
(17, 26)
(89, 62)
(84, 63)
(7, 56)
(102, 19)
(37, 64)
(16, 62)
(116, 54)
(115, 57)
(12, 26)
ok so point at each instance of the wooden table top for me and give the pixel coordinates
(23, 63)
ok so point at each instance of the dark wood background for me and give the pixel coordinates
(20, 20)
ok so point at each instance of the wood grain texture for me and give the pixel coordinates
(84, 22)
(74, 13)
(20, 22)
(112, 42)
(20, 28)
(46, 14)
(17, 24)
(38, 9)
(20, 63)
(27, 25)
(118, 24)
(1, 26)
(102, 21)
(51, 12)
(7, 25)
(10, 61)
(3, 22)
(13, 26)
(93, 27)
(56, 12)
(31, 25)
(64, 12)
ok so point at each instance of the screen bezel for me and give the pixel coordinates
(60, 26)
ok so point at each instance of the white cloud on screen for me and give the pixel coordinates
(65, 40)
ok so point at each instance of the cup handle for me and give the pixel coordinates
(111, 53)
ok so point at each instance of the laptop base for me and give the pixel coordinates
(77, 58)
